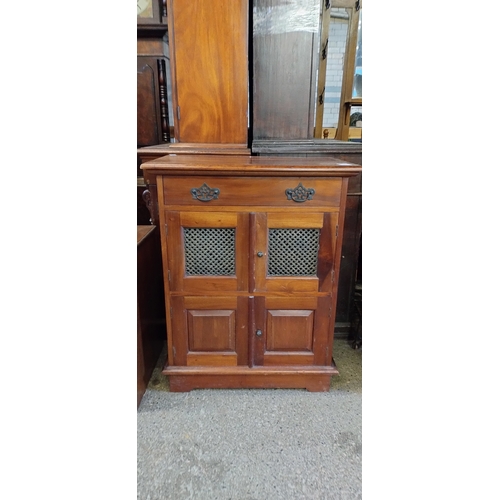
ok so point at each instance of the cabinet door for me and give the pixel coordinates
(207, 251)
(294, 251)
(291, 330)
(209, 331)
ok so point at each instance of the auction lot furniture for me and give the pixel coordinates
(251, 251)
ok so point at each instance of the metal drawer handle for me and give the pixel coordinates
(205, 193)
(258, 333)
(300, 193)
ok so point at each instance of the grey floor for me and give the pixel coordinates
(252, 444)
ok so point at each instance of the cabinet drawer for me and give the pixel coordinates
(258, 191)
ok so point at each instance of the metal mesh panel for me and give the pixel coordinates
(293, 252)
(209, 251)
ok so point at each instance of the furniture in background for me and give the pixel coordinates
(154, 116)
(150, 305)
(153, 74)
(209, 62)
(251, 257)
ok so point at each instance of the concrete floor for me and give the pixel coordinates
(252, 444)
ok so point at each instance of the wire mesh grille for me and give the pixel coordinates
(293, 252)
(209, 251)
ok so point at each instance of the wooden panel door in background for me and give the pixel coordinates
(209, 58)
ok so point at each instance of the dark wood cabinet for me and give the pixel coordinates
(285, 56)
(150, 305)
(251, 254)
(153, 121)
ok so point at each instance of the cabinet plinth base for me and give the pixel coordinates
(314, 379)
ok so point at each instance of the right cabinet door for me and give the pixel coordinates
(292, 331)
(294, 255)
(294, 252)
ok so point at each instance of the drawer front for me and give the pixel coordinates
(259, 191)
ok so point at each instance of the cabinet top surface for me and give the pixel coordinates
(251, 165)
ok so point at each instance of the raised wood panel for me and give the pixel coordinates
(289, 330)
(211, 330)
(209, 57)
(210, 337)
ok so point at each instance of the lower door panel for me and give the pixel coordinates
(209, 331)
(294, 331)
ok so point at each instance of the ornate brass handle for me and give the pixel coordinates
(205, 193)
(300, 193)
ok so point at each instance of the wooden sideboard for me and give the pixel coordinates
(251, 252)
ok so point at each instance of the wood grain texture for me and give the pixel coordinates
(209, 55)
(259, 327)
(211, 330)
(261, 191)
(246, 166)
(289, 330)
(148, 105)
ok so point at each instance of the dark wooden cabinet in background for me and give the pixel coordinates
(152, 91)
(285, 56)
(251, 254)
(154, 117)
(150, 305)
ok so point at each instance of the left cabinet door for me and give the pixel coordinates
(209, 330)
(207, 262)
(207, 252)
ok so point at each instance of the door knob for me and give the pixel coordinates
(258, 333)
(260, 254)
